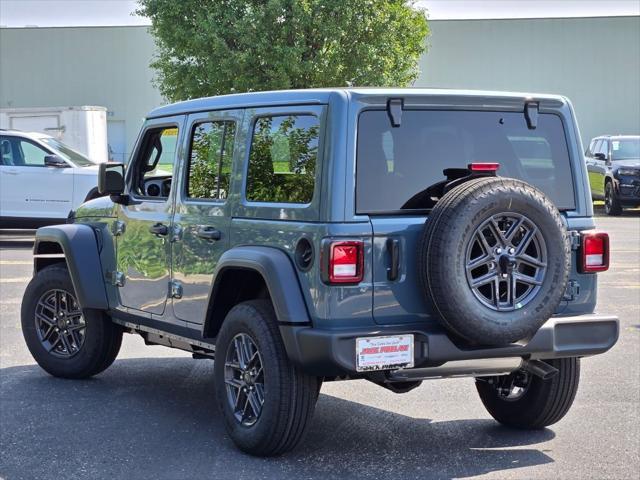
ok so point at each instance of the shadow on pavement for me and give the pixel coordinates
(157, 418)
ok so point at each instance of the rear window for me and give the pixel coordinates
(395, 164)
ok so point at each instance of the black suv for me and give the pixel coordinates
(613, 163)
(299, 237)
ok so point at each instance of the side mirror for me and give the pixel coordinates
(54, 161)
(600, 156)
(111, 178)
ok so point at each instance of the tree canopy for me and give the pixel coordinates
(214, 47)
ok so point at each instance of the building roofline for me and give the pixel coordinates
(62, 27)
(495, 19)
(492, 19)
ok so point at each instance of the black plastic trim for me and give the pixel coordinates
(279, 274)
(80, 248)
(332, 352)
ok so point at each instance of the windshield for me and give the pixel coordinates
(61, 149)
(397, 165)
(625, 149)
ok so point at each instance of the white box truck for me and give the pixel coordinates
(82, 128)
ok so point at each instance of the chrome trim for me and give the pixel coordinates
(486, 367)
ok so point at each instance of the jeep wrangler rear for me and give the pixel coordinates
(392, 235)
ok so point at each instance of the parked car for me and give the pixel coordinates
(41, 179)
(300, 237)
(613, 162)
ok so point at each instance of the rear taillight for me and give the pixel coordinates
(346, 262)
(594, 252)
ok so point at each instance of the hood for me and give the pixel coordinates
(98, 207)
(629, 162)
(90, 170)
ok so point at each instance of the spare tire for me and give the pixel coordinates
(494, 260)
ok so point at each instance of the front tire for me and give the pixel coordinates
(532, 403)
(266, 401)
(64, 339)
(612, 205)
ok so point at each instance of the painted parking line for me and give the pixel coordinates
(15, 280)
(16, 262)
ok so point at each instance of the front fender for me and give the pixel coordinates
(80, 247)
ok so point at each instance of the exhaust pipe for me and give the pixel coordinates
(540, 369)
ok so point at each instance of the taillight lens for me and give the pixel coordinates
(346, 262)
(483, 167)
(595, 252)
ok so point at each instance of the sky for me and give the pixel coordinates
(61, 13)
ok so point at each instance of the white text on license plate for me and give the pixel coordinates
(384, 353)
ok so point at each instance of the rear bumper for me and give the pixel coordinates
(333, 352)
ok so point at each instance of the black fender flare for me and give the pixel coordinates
(80, 248)
(279, 275)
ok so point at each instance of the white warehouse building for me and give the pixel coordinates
(593, 61)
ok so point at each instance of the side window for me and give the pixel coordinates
(282, 160)
(590, 149)
(153, 167)
(210, 158)
(32, 155)
(604, 148)
(6, 152)
(596, 147)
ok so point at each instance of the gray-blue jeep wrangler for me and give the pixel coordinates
(392, 235)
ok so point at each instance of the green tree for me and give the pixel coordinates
(213, 47)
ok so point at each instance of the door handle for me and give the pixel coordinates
(393, 247)
(159, 229)
(11, 172)
(207, 232)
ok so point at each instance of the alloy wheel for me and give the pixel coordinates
(244, 379)
(608, 200)
(59, 323)
(506, 261)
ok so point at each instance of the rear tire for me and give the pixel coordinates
(612, 205)
(542, 403)
(92, 342)
(282, 394)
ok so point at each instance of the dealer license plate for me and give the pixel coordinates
(384, 353)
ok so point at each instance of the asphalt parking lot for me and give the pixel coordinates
(152, 414)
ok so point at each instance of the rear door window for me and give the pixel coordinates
(395, 164)
(211, 155)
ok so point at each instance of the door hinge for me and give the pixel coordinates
(117, 279)
(175, 289)
(572, 291)
(117, 228)
(575, 239)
